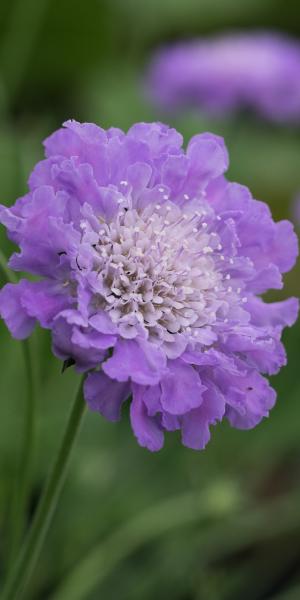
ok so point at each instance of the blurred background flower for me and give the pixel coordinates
(224, 74)
(219, 525)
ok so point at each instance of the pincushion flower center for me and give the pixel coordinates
(156, 271)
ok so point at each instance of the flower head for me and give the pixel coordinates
(257, 70)
(150, 264)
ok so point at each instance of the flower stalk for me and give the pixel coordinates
(23, 476)
(20, 575)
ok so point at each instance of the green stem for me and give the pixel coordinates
(20, 575)
(10, 275)
(22, 483)
(23, 479)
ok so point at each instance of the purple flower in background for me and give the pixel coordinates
(260, 71)
(150, 264)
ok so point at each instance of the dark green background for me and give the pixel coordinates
(223, 524)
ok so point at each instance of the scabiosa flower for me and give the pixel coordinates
(257, 70)
(150, 265)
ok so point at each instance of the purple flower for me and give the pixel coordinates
(259, 70)
(150, 264)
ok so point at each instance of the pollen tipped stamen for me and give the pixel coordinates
(175, 256)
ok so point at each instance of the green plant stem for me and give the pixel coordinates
(10, 275)
(20, 575)
(23, 477)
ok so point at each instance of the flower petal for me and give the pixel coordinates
(141, 361)
(249, 401)
(181, 387)
(13, 312)
(105, 395)
(195, 424)
(146, 429)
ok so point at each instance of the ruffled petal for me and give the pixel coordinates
(147, 430)
(64, 347)
(159, 138)
(249, 401)
(208, 159)
(44, 300)
(141, 361)
(102, 322)
(196, 423)
(275, 314)
(13, 312)
(92, 339)
(105, 395)
(181, 387)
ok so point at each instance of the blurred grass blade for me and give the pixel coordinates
(18, 43)
(186, 509)
(291, 594)
(235, 533)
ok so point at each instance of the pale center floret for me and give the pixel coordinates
(157, 272)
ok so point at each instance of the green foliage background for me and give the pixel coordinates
(223, 524)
